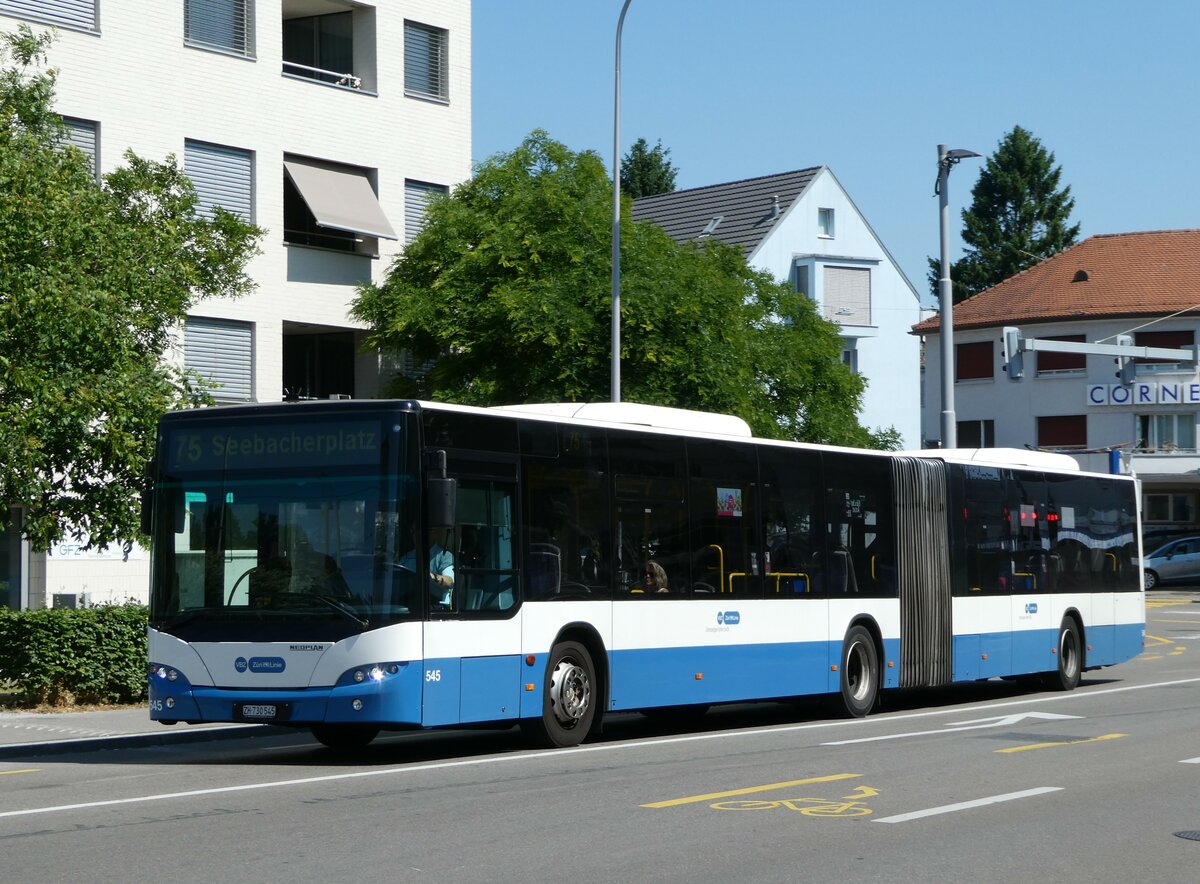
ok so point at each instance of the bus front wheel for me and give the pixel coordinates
(568, 699)
(859, 672)
(1070, 658)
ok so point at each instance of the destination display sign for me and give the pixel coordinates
(272, 445)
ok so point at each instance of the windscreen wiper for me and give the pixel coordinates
(331, 602)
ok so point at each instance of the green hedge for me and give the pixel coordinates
(60, 657)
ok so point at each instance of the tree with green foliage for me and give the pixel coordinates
(646, 171)
(1018, 216)
(95, 278)
(506, 294)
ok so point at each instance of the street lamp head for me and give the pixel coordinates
(946, 159)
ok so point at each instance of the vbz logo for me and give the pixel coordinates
(1031, 608)
(728, 618)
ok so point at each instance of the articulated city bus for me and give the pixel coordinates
(358, 566)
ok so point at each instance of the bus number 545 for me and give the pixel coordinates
(433, 675)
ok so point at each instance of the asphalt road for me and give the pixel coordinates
(988, 782)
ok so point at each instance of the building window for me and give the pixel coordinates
(1166, 432)
(1062, 431)
(321, 47)
(417, 195)
(825, 223)
(78, 14)
(222, 176)
(221, 352)
(974, 361)
(224, 25)
(1183, 339)
(1049, 363)
(83, 135)
(332, 206)
(976, 434)
(1169, 507)
(848, 295)
(425, 67)
(802, 277)
(850, 354)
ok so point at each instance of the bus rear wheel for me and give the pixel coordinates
(859, 672)
(1070, 658)
(568, 699)
(344, 737)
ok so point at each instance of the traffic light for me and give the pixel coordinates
(1126, 367)
(1014, 359)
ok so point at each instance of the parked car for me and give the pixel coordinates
(1173, 561)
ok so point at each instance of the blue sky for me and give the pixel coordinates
(869, 88)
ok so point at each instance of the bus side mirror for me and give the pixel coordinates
(441, 495)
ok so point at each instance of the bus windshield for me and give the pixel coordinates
(292, 528)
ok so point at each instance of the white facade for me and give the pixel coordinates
(825, 246)
(201, 77)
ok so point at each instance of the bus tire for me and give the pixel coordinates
(344, 737)
(1070, 658)
(569, 699)
(859, 672)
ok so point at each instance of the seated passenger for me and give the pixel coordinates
(654, 578)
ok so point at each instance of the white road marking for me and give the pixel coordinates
(554, 754)
(966, 805)
(1190, 761)
(998, 721)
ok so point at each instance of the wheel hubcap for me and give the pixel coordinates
(1069, 654)
(858, 674)
(570, 692)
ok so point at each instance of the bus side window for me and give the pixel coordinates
(723, 509)
(794, 558)
(485, 563)
(566, 512)
(859, 532)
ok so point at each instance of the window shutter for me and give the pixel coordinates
(416, 200)
(974, 361)
(222, 176)
(69, 13)
(82, 134)
(1179, 339)
(1048, 361)
(221, 352)
(425, 50)
(220, 24)
(848, 295)
(1062, 431)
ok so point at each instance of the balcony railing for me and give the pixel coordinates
(333, 78)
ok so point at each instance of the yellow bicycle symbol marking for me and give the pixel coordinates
(850, 805)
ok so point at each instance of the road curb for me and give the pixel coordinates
(130, 741)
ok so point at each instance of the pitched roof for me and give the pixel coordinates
(1156, 273)
(746, 209)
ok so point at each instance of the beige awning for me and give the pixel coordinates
(339, 197)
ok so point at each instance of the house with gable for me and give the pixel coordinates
(1143, 286)
(803, 228)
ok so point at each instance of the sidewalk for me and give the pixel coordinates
(47, 733)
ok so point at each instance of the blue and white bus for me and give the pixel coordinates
(605, 557)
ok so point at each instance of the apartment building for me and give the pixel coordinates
(328, 123)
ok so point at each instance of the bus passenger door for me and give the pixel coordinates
(473, 641)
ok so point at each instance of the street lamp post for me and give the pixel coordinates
(946, 159)
(616, 224)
